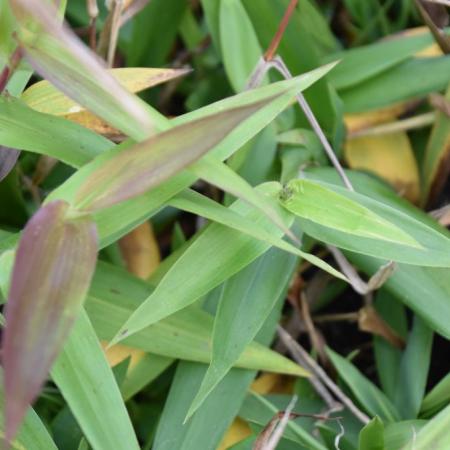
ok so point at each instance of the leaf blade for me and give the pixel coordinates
(45, 278)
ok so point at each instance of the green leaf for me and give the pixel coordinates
(413, 373)
(211, 9)
(245, 303)
(25, 129)
(409, 284)
(53, 267)
(367, 394)
(143, 373)
(158, 22)
(434, 435)
(201, 205)
(58, 55)
(361, 63)
(114, 222)
(435, 244)
(113, 296)
(388, 357)
(397, 434)
(437, 398)
(324, 205)
(222, 176)
(206, 428)
(371, 436)
(87, 383)
(410, 80)
(190, 278)
(236, 28)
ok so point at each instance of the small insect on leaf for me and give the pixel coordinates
(52, 271)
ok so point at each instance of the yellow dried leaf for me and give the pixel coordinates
(140, 251)
(237, 432)
(362, 121)
(119, 352)
(44, 97)
(273, 383)
(94, 123)
(389, 156)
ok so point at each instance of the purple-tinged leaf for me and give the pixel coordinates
(58, 55)
(121, 175)
(52, 271)
(8, 159)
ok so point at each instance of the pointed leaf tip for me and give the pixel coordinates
(52, 271)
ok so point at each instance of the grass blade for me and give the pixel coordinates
(52, 271)
(87, 383)
(246, 301)
(320, 204)
(190, 278)
(119, 176)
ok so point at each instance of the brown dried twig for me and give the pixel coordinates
(302, 357)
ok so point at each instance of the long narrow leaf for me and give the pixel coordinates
(55, 52)
(246, 301)
(226, 252)
(52, 271)
(201, 205)
(119, 176)
(320, 204)
(88, 385)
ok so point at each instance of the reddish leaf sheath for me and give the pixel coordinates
(52, 271)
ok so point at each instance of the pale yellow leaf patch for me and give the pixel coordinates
(389, 156)
(45, 98)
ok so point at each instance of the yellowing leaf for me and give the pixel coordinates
(273, 383)
(361, 121)
(390, 156)
(119, 352)
(428, 52)
(140, 251)
(46, 98)
(237, 432)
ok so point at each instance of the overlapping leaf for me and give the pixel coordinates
(226, 251)
(320, 204)
(55, 53)
(53, 267)
(245, 303)
(119, 176)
